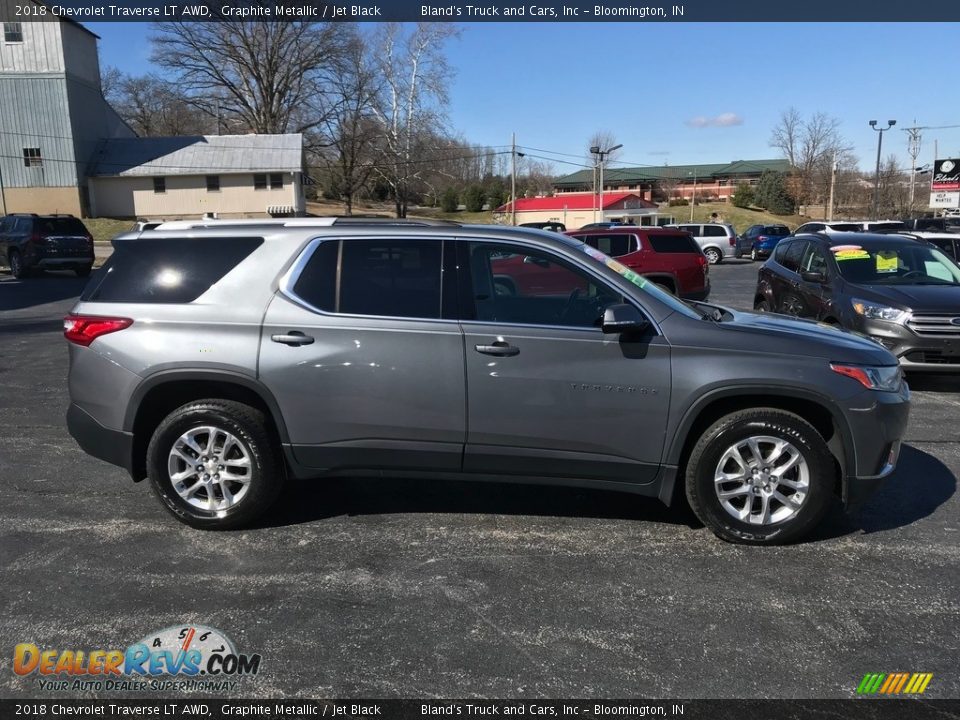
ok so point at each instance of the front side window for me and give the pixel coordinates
(32, 157)
(12, 32)
(814, 260)
(517, 285)
(387, 278)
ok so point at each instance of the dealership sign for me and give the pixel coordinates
(945, 185)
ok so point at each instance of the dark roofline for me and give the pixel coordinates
(63, 18)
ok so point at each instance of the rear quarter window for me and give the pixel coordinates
(166, 270)
(673, 243)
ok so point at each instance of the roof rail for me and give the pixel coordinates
(302, 222)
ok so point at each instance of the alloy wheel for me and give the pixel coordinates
(210, 468)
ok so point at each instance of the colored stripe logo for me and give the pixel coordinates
(894, 683)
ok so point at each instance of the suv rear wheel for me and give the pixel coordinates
(213, 465)
(761, 477)
(714, 256)
(16, 265)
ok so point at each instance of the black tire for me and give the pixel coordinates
(737, 427)
(248, 425)
(714, 256)
(762, 306)
(16, 265)
(83, 271)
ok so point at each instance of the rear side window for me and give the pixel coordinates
(780, 251)
(60, 226)
(612, 245)
(714, 231)
(791, 260)
(388, 278)
(673, 243)
(166, 270)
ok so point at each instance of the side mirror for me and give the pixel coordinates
(540, 262)
(622, 318)
(814, 277)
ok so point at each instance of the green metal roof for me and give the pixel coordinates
(638, 175)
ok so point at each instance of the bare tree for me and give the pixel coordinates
(110, 79)
(810, 146)
(415, 73)
(154, 107)
(348, 134)
(270, 75)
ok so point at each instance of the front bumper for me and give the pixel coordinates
(877, 422)
(113, 446)
(916, 353)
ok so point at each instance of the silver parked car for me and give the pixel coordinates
(220, 358)
(717, 240)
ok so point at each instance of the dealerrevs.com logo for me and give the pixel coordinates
(182, 657)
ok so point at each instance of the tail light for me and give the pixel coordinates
(761, 238)
(733, 242)
(37, 238)
(84, 329)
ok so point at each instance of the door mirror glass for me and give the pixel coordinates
(623, 318)
(814, 276)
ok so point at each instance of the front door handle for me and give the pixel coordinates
(499, 349)
(292, 338)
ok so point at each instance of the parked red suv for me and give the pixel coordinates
(671, 258)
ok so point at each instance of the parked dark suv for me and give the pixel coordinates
(219, 358)
(902, 292)
(45, 242)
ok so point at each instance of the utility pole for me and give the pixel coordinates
(913, 149)
(513, 179)
(833, 185)
(693, 199)
(601, 155)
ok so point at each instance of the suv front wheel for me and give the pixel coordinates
(761, 476)
(213, 465)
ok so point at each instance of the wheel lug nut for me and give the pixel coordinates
(217, 476)
(206, 477)
(220, 467)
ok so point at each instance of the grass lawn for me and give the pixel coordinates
(105, 229)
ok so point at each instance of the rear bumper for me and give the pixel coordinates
(112, 446)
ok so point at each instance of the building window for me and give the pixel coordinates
(12, 32)
(159, 185)
(276, 181)
(260, 182)
(31, 156)
(213, 183)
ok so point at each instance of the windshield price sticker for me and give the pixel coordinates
(887, 262)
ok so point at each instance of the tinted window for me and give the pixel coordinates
(60, 226)
(776, 230)
(845, 227)
(814, 260)
(511, 284)
(166, 270)
(714, 231)
(781, 251)
(673, 243)
(612, 245)
(389, 278)
(692, 229)
(791, 260)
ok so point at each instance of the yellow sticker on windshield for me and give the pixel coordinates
(850, 253)
(887, 261)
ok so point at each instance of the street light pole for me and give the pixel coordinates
(601, 156)
(876, 180)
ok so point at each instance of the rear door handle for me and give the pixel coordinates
(293, 338)
(499, 349)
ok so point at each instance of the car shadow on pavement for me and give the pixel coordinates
(920, 484)
(311, 500)
(38, 290)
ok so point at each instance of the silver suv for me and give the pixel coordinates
(220, 358)
(717, 240)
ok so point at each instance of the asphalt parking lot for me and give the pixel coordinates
(414, 589)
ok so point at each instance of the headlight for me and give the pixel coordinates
(884, 377)
(872, 311)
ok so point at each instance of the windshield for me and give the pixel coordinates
(895, 265)
(641, 282)
(845, 227)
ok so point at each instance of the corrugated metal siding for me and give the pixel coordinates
(200, 155)
(41, 49)
(36, 114)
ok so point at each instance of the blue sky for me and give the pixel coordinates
(678, 93)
